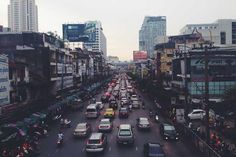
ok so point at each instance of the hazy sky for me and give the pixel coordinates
(122, 19)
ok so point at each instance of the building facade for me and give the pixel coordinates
(23, 15)
(222, 72)
(152, 27)
(222, 32)
(97, 40)
(90, 33)
(39, 66)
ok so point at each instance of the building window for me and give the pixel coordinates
(233, 32)
(222, 38)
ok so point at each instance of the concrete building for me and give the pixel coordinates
(4, 29)
(113, 59)
(152, 27)
(97, 40)
(90, 34)
(39, 66)
(23, 15)
(222, 32)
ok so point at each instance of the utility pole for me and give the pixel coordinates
(185, 81)
(206, 59)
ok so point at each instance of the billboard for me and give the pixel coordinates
(139, 55)
(74, 32)
(4, 81)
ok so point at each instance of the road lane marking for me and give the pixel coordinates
(136, 148)
(109, 149)
(83, 149)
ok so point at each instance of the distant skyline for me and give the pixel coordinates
(122, 19)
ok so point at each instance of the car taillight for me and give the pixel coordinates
(100, 141)
(87, 142)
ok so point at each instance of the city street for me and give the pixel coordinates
(76, 147)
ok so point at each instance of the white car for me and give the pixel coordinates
(105, 125)
(196, 114)
(100, 104)
(124, 100)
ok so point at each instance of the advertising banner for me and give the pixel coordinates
(139, 55)
(4, 81)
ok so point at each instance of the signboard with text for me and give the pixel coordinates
(139, 55)
(4, 81)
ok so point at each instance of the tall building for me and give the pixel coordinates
(97, 41)
(91, 33)
(23, 15)
(221, 32)
(152, 27)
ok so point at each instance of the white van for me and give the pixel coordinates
(92, 111)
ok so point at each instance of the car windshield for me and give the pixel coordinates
(91, 110)
(104, 122)
(125, 133)
(94, 141)
(143, 121)
(81, 126)
(169, 129)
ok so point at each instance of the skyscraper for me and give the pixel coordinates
(97, 41)
(23, 15)
(90, 33)
(152, 27)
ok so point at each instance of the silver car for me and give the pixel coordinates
(97, 142)
(125, 134)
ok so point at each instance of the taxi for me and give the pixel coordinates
(109, 113)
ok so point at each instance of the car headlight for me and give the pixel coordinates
(166, 138)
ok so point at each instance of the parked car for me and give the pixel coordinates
(105, 125)
(168, 132)
(97, 142)
(143, 123)
(109, 113)
(82, 130)
(123, 112)
(196, 114)
(125, 134)
(153, 150)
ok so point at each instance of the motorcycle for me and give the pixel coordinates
(65, 123)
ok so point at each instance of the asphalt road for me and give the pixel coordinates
(76, 147)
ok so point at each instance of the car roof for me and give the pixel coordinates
(197, 110)
(109, 109)
(81, 124)
(166, 124)
(125, 126)
(95, 136)
(143, 118)
(154, 144)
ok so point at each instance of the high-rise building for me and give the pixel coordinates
(23, 15)
(91, 33)
(152, 27)
(97, 41)
(221, 32)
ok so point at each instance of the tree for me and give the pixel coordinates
(230, 98)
